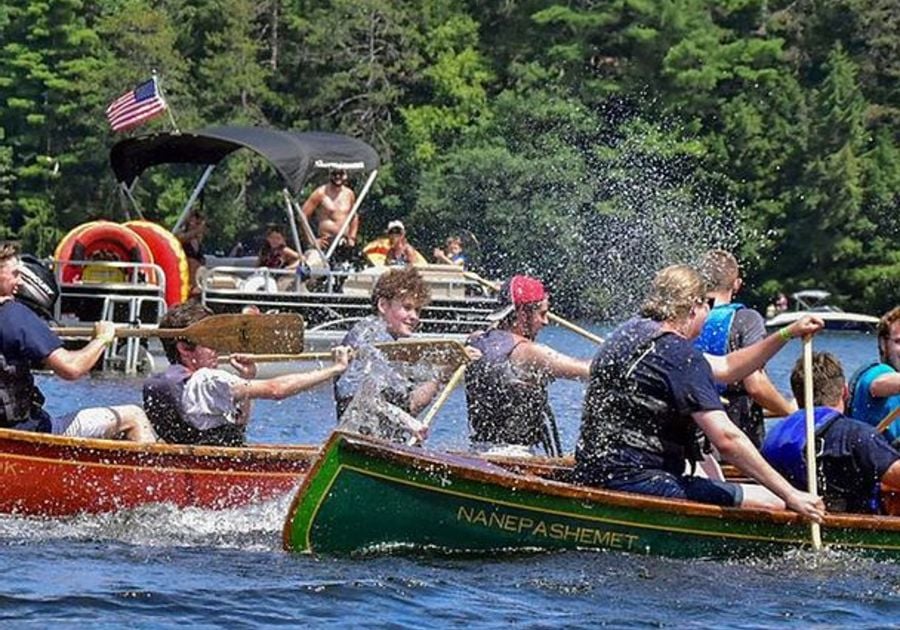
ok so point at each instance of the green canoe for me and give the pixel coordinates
(364, 495)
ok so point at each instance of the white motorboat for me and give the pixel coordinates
(815, 302)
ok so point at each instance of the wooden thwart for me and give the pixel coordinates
(251, 334)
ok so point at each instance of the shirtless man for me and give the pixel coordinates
(331, 203)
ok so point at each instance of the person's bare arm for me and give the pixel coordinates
(73, 364)
(737, 449)
(287, 385)
(290, 257)
(441, 257)
(885, 385)
(537, 356)
(763, 392)
(737, 365)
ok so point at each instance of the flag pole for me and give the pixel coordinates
(168, 107)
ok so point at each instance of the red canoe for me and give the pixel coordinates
(47, 475)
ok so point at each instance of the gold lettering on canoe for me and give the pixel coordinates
(9, 468)
(554, 530)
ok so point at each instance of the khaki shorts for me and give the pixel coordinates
(96, 422)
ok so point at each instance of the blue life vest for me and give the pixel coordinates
(785, 445)
(716, 331)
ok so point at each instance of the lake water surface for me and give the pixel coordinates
(163, 567)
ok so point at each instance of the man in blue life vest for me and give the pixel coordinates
(875, 388)
(858, 470)
(506, 388)
(731, 326)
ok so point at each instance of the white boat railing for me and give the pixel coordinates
(112, 288)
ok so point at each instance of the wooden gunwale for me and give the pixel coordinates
(62, 450)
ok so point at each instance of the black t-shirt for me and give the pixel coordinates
(666, 380)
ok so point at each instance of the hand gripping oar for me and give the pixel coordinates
(814, 529)
(224, 333)
(556, 319)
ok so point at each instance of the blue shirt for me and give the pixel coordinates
(24, 337)
(869, 409)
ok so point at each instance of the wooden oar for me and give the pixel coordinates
(887, 421)
(815, 530)
(437, 351)
(556, 319)
(445, 394)
(225, 333)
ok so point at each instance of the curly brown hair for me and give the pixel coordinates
(181, 316)
(401, 283)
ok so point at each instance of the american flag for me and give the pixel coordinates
(136, 106)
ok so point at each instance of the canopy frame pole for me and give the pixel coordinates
(353, 211)
(126, 190)
(201, 184)
(307, 229)
(289, 208)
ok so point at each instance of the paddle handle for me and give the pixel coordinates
(445, 394)
(81, 331)
(271, 358)
(811, 468)
(578, 330)
(556, 319)
(887, 421)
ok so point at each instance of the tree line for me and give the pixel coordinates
(588, 142)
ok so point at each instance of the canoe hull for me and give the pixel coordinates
(47, 475)
(455, 504)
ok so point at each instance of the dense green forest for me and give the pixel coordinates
(588, 142)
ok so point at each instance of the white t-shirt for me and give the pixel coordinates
(207, 399)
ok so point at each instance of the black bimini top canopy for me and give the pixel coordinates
(294, 154)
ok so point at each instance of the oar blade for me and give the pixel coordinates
(434, 351)
(249, 334)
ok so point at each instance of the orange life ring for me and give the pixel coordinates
(376, 251)
(116, 242)
(168, 254)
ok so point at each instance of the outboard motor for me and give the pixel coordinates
(39, 290)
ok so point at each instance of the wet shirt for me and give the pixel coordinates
(643, 391)
(394, 381)
(207, 400)
(869, 409)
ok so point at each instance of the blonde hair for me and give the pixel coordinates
(720, 269)
(675, 290)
